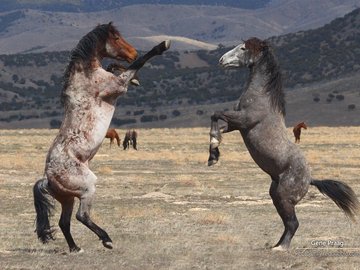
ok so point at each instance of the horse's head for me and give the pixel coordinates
(117, 47)
(245, 54)
(303, 125)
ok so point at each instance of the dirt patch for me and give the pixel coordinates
(165, 209)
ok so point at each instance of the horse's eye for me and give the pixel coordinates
(242, 48)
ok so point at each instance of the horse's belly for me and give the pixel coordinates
(271, 157)
(93, 133)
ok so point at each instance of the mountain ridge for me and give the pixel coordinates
(30, 30)
(99, 5)
(321, 70)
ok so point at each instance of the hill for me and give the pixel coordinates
(190, 83)
(34, 30)
(99, 5)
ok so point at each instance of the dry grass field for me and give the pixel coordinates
(165, 209)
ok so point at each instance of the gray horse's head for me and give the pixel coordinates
(245, 54)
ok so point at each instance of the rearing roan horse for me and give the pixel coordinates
(89, 97)
(259, 116)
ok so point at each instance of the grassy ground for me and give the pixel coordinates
(165, 209)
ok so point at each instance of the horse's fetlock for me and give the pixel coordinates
(214, 143)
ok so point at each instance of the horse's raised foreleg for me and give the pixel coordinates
(231, 119)
(64, 223)
(215, 139)
(129, 74)
(83, 215)
(118, 85)
(157, 50)
(215, 134)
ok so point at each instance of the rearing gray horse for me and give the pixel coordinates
(259, 116)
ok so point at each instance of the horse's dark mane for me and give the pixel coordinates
(274, 84)
(84, 51)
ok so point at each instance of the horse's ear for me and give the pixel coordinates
(110, 23)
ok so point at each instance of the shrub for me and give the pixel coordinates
(139, 112)
(54, 123)
(176, 113)
(199, 112)
(120, 122)
(148, 118)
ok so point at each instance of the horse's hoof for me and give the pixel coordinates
(108, 244)
(279, 248)
(214, 143)
(212, 162)
(167, 44)
(76, 250)
(135, 82)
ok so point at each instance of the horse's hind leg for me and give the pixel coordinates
(64, 223)
(286, 210)
(83, 215)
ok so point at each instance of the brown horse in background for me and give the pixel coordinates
(130, 139)
(297, 131)
(112, 135)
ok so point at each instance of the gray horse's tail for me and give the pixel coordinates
(343, 196)
(43, 207)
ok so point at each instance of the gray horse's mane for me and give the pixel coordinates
(274, 85)
(84, 52)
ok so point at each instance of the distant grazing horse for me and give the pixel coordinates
(112, 135)
(130, 139)
(259, 116)
(89, 96)
(297, 131)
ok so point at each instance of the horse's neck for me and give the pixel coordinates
(258, 80)
(256, 86)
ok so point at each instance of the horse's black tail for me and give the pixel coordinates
(343, 196)
(43, 207)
